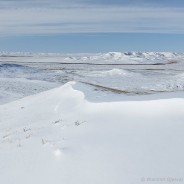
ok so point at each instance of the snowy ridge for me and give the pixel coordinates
(59, 136)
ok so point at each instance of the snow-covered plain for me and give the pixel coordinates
(121, 121)
(101, 75)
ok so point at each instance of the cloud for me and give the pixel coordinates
(74, 16)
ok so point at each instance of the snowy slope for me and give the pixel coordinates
(58, 137)
(18, 81)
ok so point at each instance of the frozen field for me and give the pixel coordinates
(102, 77)
(108, 118)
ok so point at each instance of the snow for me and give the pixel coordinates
(58, 136)
(110, 57)
(101, 74)
(113, 72)
(91, 118)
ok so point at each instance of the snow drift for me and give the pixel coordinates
(58, 136)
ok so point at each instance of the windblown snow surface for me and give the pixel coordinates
(115, 124)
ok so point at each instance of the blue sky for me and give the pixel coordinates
(91, 25)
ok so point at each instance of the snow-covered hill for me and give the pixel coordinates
(58, 136)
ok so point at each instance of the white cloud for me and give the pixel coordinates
(46, 18)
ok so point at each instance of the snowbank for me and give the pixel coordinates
(58, 136)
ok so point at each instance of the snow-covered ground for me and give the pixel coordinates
(121, 121)
(58, 136)
(102, 74)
